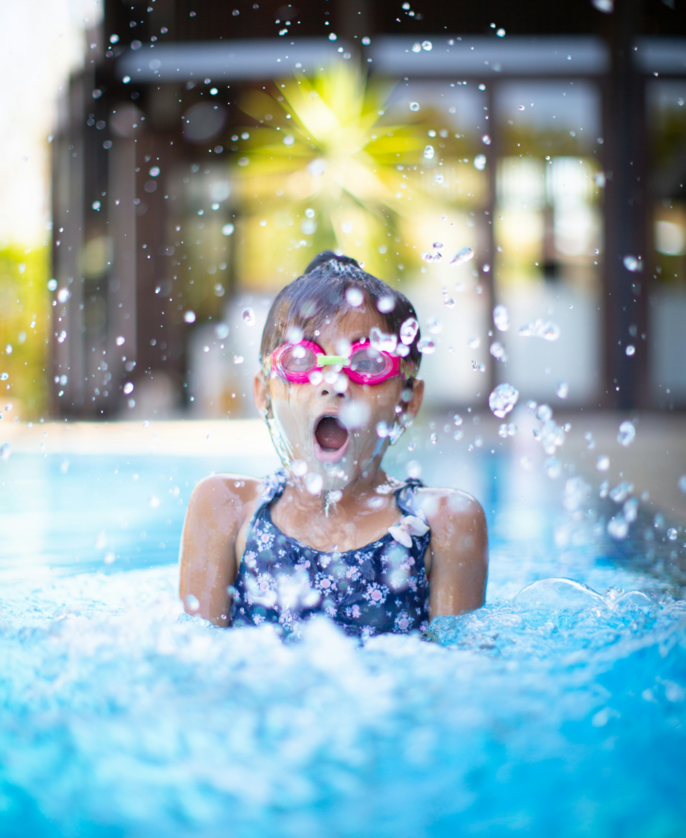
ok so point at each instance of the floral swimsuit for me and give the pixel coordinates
(379, 588)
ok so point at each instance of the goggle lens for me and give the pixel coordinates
(298, 359)
(368, 361)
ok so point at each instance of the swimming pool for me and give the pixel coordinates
(557, 711)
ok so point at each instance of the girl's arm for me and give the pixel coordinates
(458, 568)
(207, 556)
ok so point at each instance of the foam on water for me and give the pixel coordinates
(559, 711)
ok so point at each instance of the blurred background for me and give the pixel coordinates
(168, 165)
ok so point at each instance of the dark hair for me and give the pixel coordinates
(320, 293)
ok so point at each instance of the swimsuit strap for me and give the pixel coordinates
(274, 486)
(406, 498)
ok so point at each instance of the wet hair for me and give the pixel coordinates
(320, 294)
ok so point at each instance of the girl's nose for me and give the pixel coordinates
(334, 385)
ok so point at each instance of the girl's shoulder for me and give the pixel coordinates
(225, 500)
(448, 507)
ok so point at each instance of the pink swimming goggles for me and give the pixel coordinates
(295, 362)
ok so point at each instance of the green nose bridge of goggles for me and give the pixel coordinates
(332, 360)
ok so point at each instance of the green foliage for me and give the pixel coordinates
(24, 331)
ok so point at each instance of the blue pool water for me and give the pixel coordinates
(554, 710)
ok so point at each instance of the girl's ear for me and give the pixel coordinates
(415, 402)
(260, 394)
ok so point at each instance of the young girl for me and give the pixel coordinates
(331, 532)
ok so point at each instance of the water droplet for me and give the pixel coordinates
(630, 509)
(474, 343)
(500, 33)
(128, 388)
(630, 350)
(633, 263)
(381, 341)
(604, 6)
(221, 330)
(438, 245)
(618, 527)
(381, 430)
(501, 318)
(192, 603)
(682, 483)
(434, 325)
(503, 399)
(599, 179)
(408, 331)
(429, 152)
(603, 463)
(463, 255)
(427, 45)
(248, 317)
(154, 171)
(552, 467)
(414, 106)
(62, 336)
(355, 414)
(238, 359)
(64, 467)
(63, 295)
(627, 433)
(5, 451)
(544, 413)
(52, 285)
(354, 297)
(314, 483)
(486, 140)
(417, 47)
(189, 317)
(434, 438)
(497, 350)
(227, 229)
(426, 346)
(539, 329)
(386, 304)
(120, 341)
(480, 162)
(154, 501)
(4, 376)
(299, 468)
(562, 389)
(672, 534)
(413, 469)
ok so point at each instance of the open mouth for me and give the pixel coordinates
(331, 436)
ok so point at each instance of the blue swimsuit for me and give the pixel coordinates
(379, 588)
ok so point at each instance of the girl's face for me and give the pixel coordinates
(328, 430)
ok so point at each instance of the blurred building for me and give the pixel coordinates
(560, 151)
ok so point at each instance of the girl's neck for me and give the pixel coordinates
(355, 498)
